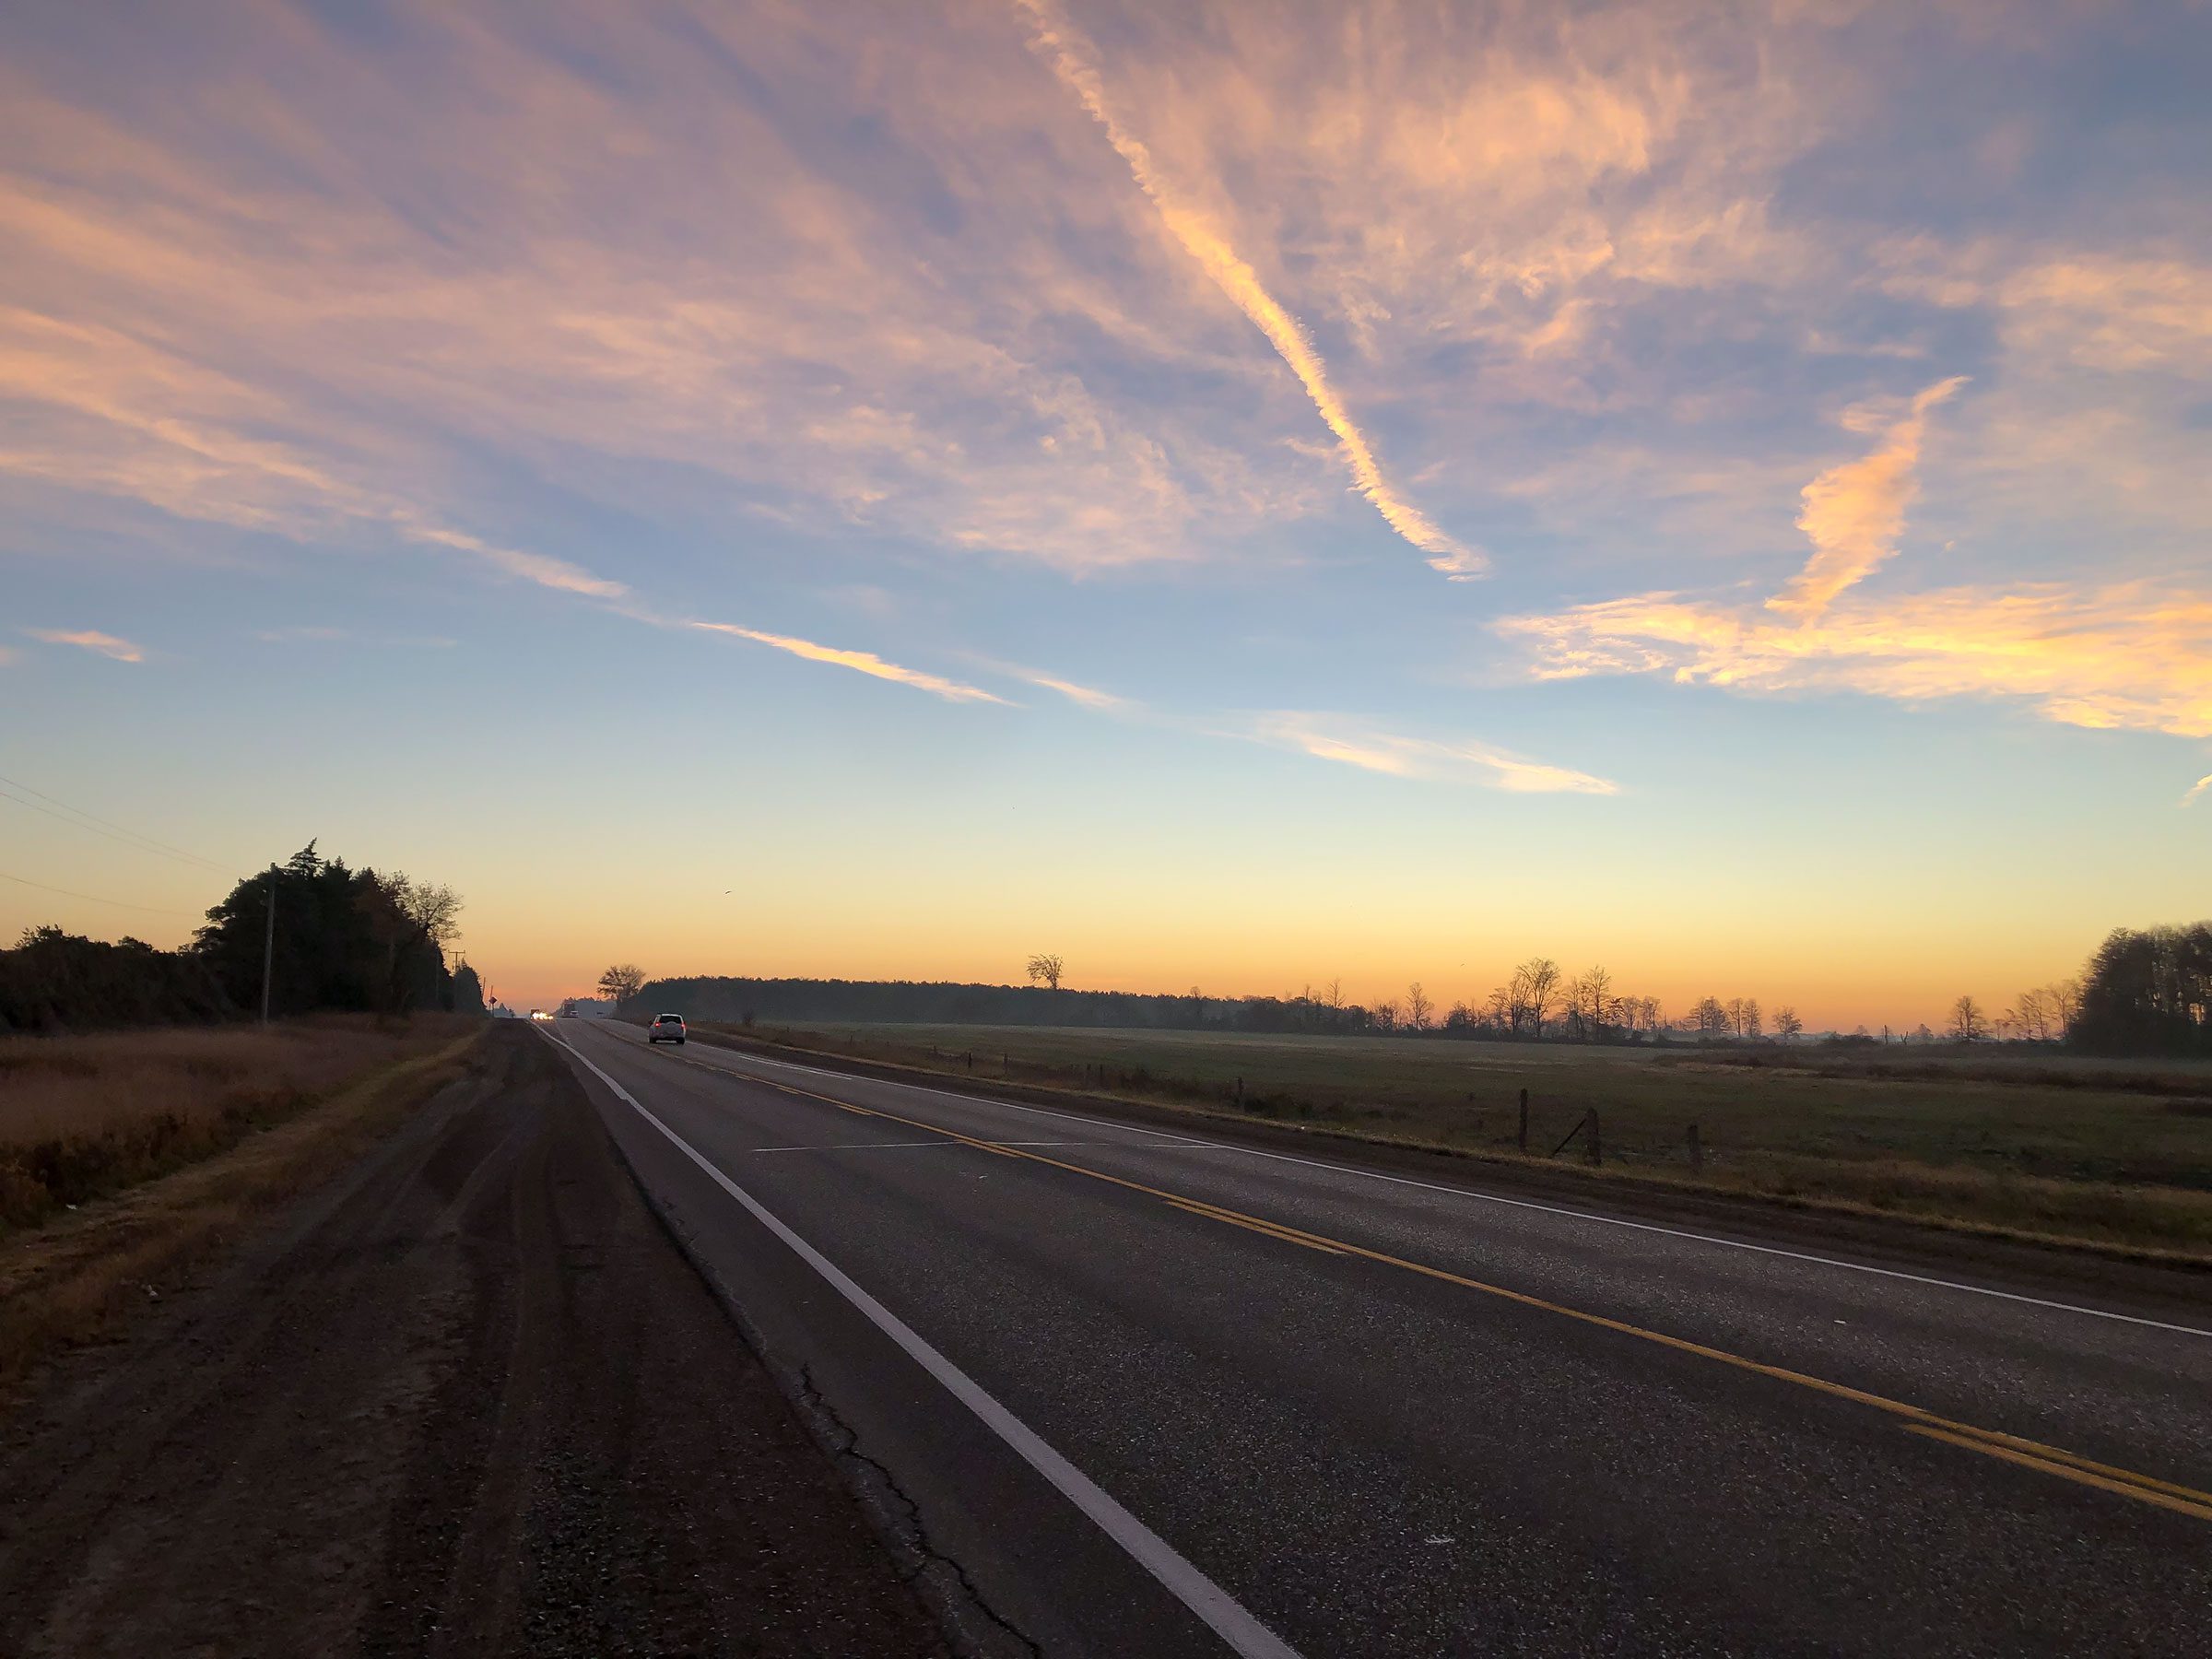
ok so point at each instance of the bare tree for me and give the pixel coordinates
(1787, 1026)
(1419, 1009)
(621, 983)
(1331, 996)
(1710, 1018)
(434, 909)
(1534, 987)
(1596, 999)
(1749, 1022)
(1386, 1013)
(2066, 1003)
(2043, 1013)
(1044, 968)
(1968, 1024)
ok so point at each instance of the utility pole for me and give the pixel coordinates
(268, 948)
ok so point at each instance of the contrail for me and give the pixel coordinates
(1074, 61)
(859, 662)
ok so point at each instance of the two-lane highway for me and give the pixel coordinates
(1153, 1394)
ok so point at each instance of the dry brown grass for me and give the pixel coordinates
(84, 1117)
(81, 1274)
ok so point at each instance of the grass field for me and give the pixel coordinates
(2113, 1154)
(84, 1117)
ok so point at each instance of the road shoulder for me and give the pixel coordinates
(468, 1398)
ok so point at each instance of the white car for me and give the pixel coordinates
(666, 1028)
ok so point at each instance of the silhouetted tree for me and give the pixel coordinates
(2149, 993)
(1045, 967)
(1968, 1024)
(1531, 991)
(1419, 1009)
(621, 982)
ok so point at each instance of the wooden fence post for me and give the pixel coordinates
(1523, 1140)
(1597, 1157)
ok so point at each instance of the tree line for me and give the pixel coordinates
(2149, 993)
(339, 938)
(2142, 993)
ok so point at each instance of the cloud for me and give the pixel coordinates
(555, 573)
(2130, 656)
(859, 662)
(106, 645)
(2197, 789)
(1356, 743)
(1074, 60)
(1853, 513)
(158, 427)
(1089, 697)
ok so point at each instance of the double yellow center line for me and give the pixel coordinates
(2032, 1455)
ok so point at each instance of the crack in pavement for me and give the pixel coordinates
(843, 1442)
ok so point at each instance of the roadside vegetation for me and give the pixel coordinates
(328, 938)
(84, 1117)
(145, 1112)
(126, 1156)
(2027, 1143)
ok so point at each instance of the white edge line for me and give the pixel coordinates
(1526, 1204)
(1221, 1612)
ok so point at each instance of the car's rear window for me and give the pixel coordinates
(669, 1019)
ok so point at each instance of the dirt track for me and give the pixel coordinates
(471, 1399)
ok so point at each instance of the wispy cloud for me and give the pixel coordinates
(1357, 743)
(158, 426)
(859, 662)
(1853, 513)
(1089, 697)
(547, 572)
(86, 638)
(2197, 789)
(1075, 60)
(2123, 656)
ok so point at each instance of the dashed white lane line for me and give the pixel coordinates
(1525, 1204)
(1221, 1612)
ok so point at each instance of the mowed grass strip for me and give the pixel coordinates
(175, 1141)
(2112, 1156)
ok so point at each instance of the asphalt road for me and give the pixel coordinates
(1148, 1393)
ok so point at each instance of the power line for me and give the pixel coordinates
(94, 898)
(100, 826)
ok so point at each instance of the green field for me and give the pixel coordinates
(2099, 1152)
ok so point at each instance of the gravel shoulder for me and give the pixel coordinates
(468, 1398)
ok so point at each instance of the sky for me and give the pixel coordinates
(1238, 495)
